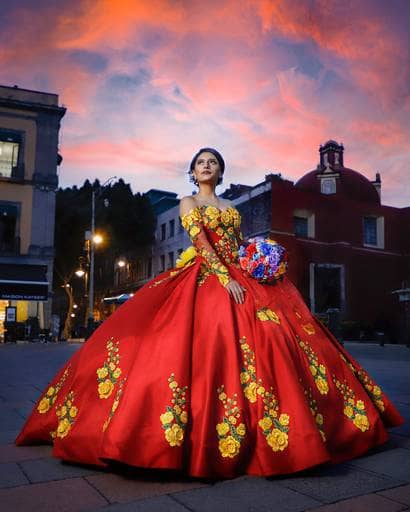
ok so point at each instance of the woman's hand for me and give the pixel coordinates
(236, 291)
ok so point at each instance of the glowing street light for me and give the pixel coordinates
(121, 263)
(80, 272)
(98, 239)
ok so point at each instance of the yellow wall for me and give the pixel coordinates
(18, 192)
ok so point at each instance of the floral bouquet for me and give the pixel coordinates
(264, 259)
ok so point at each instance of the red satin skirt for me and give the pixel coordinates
(181, 377)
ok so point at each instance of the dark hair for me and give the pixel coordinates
(216, 154)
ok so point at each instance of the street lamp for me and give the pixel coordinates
(93, 239)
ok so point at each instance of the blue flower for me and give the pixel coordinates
(259, 271)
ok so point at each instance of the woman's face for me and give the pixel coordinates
(207, 168)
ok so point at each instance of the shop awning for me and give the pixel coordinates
(23, 282)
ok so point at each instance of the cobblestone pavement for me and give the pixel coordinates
(32, 480)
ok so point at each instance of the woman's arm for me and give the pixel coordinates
(192, 221)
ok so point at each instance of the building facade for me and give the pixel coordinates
(29, 127)
(348, 251)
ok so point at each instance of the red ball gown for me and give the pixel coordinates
(182, 377)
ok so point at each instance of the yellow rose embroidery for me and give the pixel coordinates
(275, 426)
(50, 391)
(63, 428)
(317, 370)
(230, 436)
(108, 374)
(174, 420)
(167, 417)
(277, 440)
(372, 390)
(348, 411)
(353, 409)
(284, 419)
(250, 392)
(361, 422)
(266, 314)
(43, 406)
(309, 329)
(115, 404)
(174, 435)
(194, 231)
(229, 447)
(319, 420)
(102, 372)
(105, 388)
(50, 397)
(249, 382)
(252, 388)
(322, 385)
(241, 429)
(66, 415)
(265, 423)
(226, 217)
(222, 428)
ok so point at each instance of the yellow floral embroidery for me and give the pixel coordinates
(374, 391)
(174, 420)
(275, 426)
(66, 415)
(315, 413)
(250, 385)
(309, 329)
(353, 409)
(50, 396)
(171, 274)
(109, 373)
(115, 404)
(230, 431)
(265, 314)
(317, 369)
(225, 224)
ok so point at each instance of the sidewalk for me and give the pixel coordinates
(31, 480)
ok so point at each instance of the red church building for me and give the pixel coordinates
(348, 251)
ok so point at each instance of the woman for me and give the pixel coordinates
(206, 370)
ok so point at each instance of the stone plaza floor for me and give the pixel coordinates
(32, 480)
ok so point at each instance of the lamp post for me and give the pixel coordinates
(92, 240)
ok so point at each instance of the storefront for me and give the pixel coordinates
(25, 288)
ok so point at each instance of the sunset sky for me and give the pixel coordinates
(146, 83)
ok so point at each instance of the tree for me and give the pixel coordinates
(127, 224)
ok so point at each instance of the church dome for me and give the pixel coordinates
(349, 183)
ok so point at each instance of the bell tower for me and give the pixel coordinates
(330, 165)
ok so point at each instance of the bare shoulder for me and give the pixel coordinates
(186, 204)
